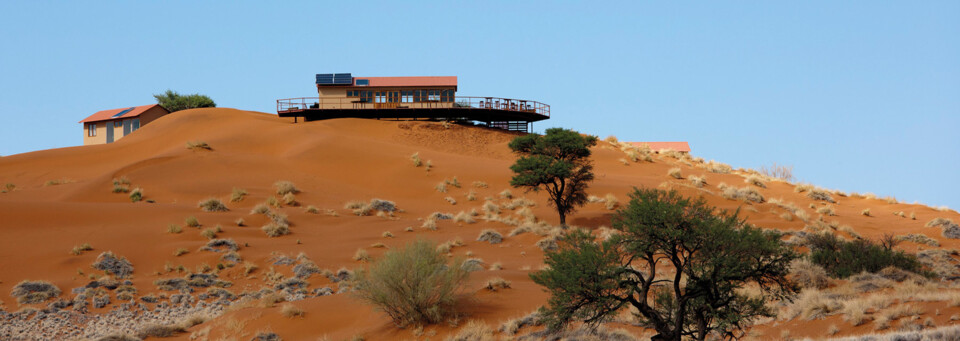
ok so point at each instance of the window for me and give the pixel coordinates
(381, 97)
(92, 129)
(117, 124)
(135, 123)
(406, 96)
(434, 95)
(363, 82)
(352, 93)
(447, 96)
(366, 96)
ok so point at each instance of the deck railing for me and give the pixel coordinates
(459, 102)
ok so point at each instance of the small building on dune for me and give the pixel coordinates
(681, 146)
(342, 95)
(107, 126)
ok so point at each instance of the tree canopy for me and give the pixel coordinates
(557, 162)
(173, 101)
(679, 264)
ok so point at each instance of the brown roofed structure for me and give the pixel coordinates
(681, 146)
(106, 126)
(410, 81)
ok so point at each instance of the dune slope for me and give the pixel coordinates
(332, 163)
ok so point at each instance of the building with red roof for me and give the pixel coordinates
(106, 126)
(342, 95)
(682, 146)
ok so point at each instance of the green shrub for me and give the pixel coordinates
(414, 284)
(136, 194)
(841, 258)
(173, 101)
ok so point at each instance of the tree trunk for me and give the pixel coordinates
(563, 220)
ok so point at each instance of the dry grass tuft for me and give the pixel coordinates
(755, 180)
(77, 250)
(474, 331)
(212, 205)
(611, 201)
(283, 187)
(291, 311)
(31, 292)
(809, 275)
(361, 255)
(198, 145)
(275, 229)
(865, 212)
(782, 172)
(237, 194)
(743, 194)
(497, 283)
(675, 173)
(415, 158)
(826, 210)
(697, 181)
(490, 235)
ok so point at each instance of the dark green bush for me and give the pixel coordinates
(173, 101)
(843, 258)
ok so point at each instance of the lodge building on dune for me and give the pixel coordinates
(341, 95)
(107, 126)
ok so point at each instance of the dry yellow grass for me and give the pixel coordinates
(675, 173)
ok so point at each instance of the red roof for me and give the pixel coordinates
(106, 115)
(656, 146)
(410, 81)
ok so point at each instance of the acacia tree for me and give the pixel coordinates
(557, 162)
(173, 101)
(710, 256)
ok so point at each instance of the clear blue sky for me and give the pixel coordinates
(856, 95)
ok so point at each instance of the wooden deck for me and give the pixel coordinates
(503, 113)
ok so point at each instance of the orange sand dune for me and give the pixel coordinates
(331, 162)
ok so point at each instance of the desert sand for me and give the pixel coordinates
(332, 163)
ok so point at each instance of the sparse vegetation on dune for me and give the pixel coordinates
(212, 205)
(743, 194)
(113, 264)
(362, 208)
(237, 194)
(755, 180)
(429, 284)
(275, 229)
(136, 194)
(415, 158)
(30, 292)
(198, 145)
(77, 250)
(782, 172)
(284, 187)
(675, 173)
(592, 280)
(845, 258)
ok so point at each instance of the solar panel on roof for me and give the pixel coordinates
(324, 78)
(343, 79)
(123, 112)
